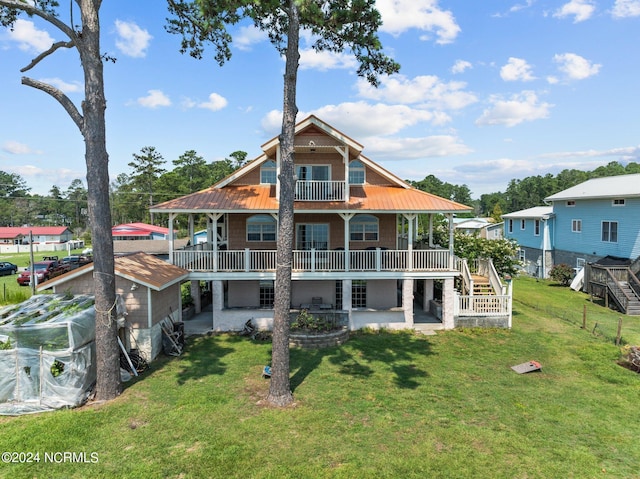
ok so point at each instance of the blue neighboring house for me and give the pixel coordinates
(596, 219)
(533, 230)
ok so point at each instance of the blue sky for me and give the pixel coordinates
(488, 91)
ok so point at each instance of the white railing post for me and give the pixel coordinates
(313, 259)
(247, 260)
(410, 257)
(378, 259)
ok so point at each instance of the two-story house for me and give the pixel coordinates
(355, 226)
(533, 230)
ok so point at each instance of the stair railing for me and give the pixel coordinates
(486, 268)
(618, 295)
(467, 279)
(634, 284)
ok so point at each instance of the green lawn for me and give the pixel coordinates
(383, 405)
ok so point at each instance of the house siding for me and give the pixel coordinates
(592, 213)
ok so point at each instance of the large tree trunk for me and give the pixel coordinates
(108, 384)
(280, 387)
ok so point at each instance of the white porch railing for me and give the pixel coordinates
(313, 260)
(484, 305)
(315, 190)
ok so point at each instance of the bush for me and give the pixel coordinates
(562, 273)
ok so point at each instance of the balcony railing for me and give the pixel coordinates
(314, 260)
(315, 190)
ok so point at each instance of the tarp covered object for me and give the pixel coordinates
(47, 353)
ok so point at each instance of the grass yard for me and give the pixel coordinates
(384, 405)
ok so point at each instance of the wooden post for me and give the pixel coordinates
(619, 335)
(584, 316)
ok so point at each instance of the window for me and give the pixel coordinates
(510, 226)
(312, 236)
(339, 294)
(618, 202)
(610, 231)
(359, 293)
(261, 228)
(267, 293)
(312, 172)
(521, 255)
(356, 173)
(576, 226)
(571, 203)
(523, 224)
(363, 228)
(536, 227)
(268, 172)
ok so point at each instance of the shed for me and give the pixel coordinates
(150, 288)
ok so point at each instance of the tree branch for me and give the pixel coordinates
(29, 9)
(44, 54)
(63, 99)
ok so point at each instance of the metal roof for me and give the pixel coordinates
(606, 187)
(535, 212)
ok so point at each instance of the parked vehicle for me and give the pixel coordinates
(44, 270)
(7, 268)
(76, 261)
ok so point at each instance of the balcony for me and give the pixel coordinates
(252, 261)
(315, 190)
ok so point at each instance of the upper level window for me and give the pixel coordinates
(610, 231)
(576, 226)
(510, 226)
(618, 202)
(363, 228)
(268, 172)
(571, 203)
(356, 173)
(261, 228)
(523, 224)
(313, 172)
(536, 227)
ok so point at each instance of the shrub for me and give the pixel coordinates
(308, 322)
(562, 273)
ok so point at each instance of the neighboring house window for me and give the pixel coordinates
(536, 227)
(510, 226)
(618, 202)
(356, 173)
(571, 203)
(521, 255)
(610, 231)
(363, 228)
(268, 172)
(313, 172)
(576, 226)
(312, 236)
(267, 294)
(261, 228)
(523, 223)
(359, 293)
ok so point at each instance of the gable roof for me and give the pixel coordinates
(14, 231)
(542, 212)
(141, 268)
(606, 187)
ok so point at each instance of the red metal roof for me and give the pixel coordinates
(13, 231)
(262, 198)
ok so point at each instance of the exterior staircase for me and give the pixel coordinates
(482, 286)
(633, 304)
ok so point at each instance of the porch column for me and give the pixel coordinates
(410, 219)
(407, 301)
(214, 239)
(347, 186)
(427, 295)
(192, 240)
(450, 218)
(346, 217)
(196, 295)
(217, 303)
(448, 298)
(431, 243)
(171, 234)
(347, 301)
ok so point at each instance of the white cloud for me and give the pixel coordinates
(516, 69)
(29, 38)
(460, 66)
(66, 87)
(17, 148)
(155, 99)
(575, 67)
(626, 8)
(324, 60)
(581, 10)
(248, 36)
(426, 90)
(517, 109)
(132, 40)
(436, 146)
(401, 15)
(521, 6)
(216, 102)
